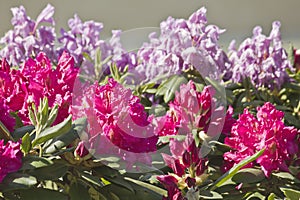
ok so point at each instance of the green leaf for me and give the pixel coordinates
(236, 168)
(41, 193)
(291, 56)
(17, 181)
(52, 116)
(291, 194)
(26, 143)
(34, 162)
(286, 175)
(80, 124)
(44, 106)
(60, 142)
(206, 194)
(158, 190)
(291, 119)
(248, 175)
(118, 180)
(157, 110)
(20, 132)
(51, 172)
(4, 132)
(78, 192)
(92, 179)
(256, 195)
(53, 132)
(19, 122)
(271, 196)
(167, 88)
(32, 115)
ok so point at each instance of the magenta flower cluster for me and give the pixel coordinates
(35, 79)
(267, 130)
(190, 110)
(118, 123)
(10, 158)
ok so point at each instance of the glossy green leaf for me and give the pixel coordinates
(4, 132)
(26, 143)
(206, 194)
(19, 122)
(256, 196)
(17, 181)
(52, 115)
(34, 162)
(53, 132)
(168, 88)
(52, 172)
(248, 175)
(154, 188)
(236, 168)
(78, 191)
(60, 142)
(20, 132)
(41, 193)
(291, 194)
(271, 196)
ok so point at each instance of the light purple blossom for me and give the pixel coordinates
(27, 38)
(84, 37)
(182, 43)
(261, 58)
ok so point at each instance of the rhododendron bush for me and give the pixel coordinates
(177, 118)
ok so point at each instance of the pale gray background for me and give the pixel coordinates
(238, 17)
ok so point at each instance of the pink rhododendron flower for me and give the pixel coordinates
(5, 117)
(192, 109)
(80, 150)
(117, 121)
(189, 170)
(267, 130)
(170, 183)
(10, 158)
(37, 79)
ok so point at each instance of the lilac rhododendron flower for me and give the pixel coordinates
(10, 158)
(261, 58)
(84, 38)
(28, 38)
(36, 79)
(267, 130)
(180, 45)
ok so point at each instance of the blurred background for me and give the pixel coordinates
(236, 16)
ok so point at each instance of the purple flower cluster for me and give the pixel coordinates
(182, 44)
(84, 37)
(28, 38)
(261, 58)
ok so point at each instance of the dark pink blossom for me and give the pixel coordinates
(10, 158)
(36, 79)
(267, 130)
(118, 123)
